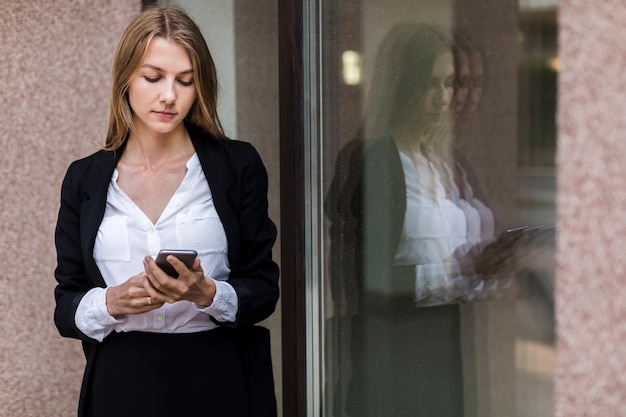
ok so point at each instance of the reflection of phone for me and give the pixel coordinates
(186, 256)
(511, 235)
(540, 235)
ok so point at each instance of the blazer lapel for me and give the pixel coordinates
(92, 210)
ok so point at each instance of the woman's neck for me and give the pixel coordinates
(409, 139)
(155, 149)
(432, 145)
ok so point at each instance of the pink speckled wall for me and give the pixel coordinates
(591, 274)
(55, 60)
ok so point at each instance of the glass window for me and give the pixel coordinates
(432, 143)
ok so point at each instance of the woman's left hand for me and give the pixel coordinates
(191, 284)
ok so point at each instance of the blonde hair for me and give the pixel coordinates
(173, 24)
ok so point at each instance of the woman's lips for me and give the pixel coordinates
(163, 115)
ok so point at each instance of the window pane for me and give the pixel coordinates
(438, 142)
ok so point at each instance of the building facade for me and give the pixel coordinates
(298, 79)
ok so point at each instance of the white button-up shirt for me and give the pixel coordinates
(126, 235)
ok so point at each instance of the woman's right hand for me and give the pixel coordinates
(487, 260)
(496, 255)
(130, 297)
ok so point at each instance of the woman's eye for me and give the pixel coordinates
(186, 83)
(477, 82)
(462, 82)
(151, 79)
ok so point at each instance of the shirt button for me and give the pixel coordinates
(160, 318)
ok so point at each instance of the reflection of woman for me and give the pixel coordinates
(421, 235)
(167, 178)
(468, 62)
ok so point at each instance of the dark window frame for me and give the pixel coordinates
(147, 3)
(290, 46)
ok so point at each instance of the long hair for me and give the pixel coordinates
(173, 24)
(400, 83)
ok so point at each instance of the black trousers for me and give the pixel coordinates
(165, 375)
(406, 362)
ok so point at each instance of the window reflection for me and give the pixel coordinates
(415, 238)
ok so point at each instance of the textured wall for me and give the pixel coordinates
(55, 60)
(591, 362)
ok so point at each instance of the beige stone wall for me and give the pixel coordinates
(591, 271)
(55, 61)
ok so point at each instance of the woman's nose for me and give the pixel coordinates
(443, 98)
(168, 94)
(446, 96)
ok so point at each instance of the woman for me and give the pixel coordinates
(421, 238)
(167, 178)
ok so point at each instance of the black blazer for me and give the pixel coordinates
(238, 181)
(366, 205)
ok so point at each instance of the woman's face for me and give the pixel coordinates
(438, 98)
(162, 90)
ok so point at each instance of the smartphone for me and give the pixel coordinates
(513, 234)
(540, 235)
(186, 256)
